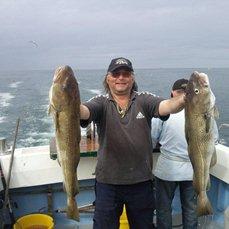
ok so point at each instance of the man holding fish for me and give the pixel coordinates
(188, 133)
(124, 169)
(123, 117)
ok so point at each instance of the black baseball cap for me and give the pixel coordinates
(120, 62)
(180, 84)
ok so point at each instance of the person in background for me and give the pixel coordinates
(124, 168)
(173, 168)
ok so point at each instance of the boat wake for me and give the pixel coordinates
(5, 98)
(15, 84)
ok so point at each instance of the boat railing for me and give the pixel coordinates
(88, 144)
(91, 130)
(221, 126)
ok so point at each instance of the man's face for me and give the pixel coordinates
(120, 81)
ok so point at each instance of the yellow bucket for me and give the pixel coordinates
(123, 220)
(34, 221)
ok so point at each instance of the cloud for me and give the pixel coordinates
(89, 33)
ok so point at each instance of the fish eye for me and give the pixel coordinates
(196, 91)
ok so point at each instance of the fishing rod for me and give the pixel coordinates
(6, 199)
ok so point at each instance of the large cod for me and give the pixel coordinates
(200, 112)
(65, 108)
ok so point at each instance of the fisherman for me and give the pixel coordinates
(124, 168)
(173, 168)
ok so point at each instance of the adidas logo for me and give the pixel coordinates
(140, 115)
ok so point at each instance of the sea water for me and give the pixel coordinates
(24, 94)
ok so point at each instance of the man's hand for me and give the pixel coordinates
(84, 112)
(171, 106)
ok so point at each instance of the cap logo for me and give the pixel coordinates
(121, 61)
(183, 86)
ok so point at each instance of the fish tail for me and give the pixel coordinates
(203, 205)
(72, 210)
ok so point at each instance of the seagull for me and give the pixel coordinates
(33, 42)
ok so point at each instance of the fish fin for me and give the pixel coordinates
(64, 188)
(208, 184)
(49, 109)
(186, 135)
(72, 210)
(207, 121)
(203, 205)
(194, 184)
(77, 186)
(216, 112)
(56, 120)
(55, 115)
(214, 158)
(58, 160)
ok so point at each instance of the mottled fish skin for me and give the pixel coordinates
(65, 108)
(199, 118)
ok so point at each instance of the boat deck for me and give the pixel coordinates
(39, 196)
(33, 166)
(204, 222)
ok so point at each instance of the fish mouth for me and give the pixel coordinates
(203, 80)
(200, 79)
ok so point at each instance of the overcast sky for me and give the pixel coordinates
(86, 34)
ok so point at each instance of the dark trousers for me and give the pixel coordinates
(165, 191)
(138, 199)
